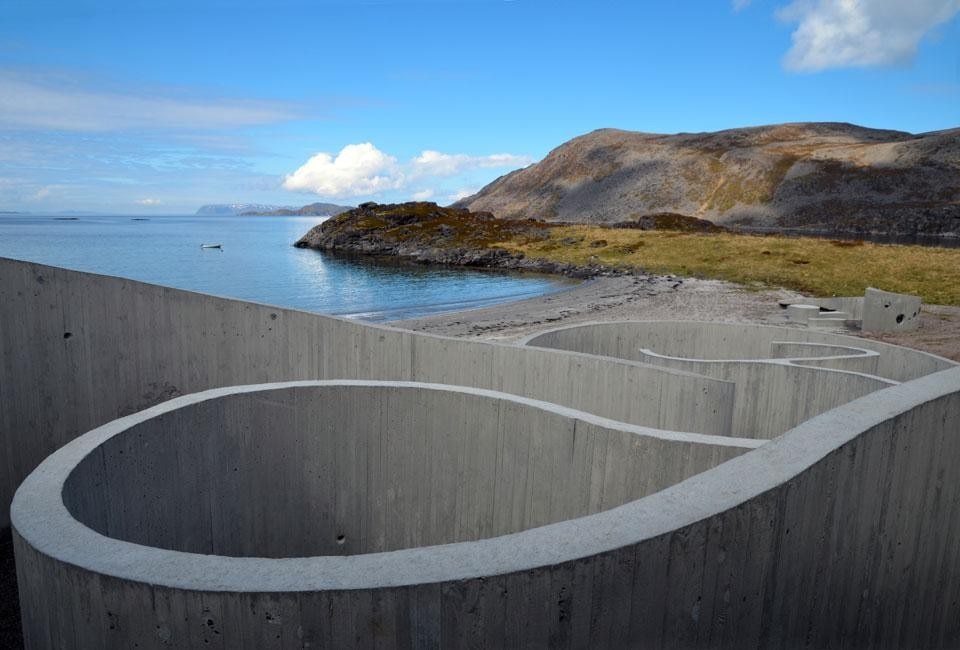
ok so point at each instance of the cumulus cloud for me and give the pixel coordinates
(363, 170)
(50, 103)
(846, 33)
(358, 170)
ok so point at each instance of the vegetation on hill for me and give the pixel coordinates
(819, 267)
(427, 233)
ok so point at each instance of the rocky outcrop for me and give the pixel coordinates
(819, 176)
(426, 233)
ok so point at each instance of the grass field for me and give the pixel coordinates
(816, 266)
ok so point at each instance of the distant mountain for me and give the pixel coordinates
(823, 176)
(258, 209)
(227, 209)
(312, 210)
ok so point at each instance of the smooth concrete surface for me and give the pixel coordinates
(773, 396)
(774, 393)
(884, 311)
(840, 357)
(344, 468)
(802, 313)
(724, 341)
(78, 350)
(839, 323)
(840, 533)
(852, 305)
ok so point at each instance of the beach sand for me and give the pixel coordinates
(662, 298)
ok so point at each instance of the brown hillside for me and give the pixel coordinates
(825, 176)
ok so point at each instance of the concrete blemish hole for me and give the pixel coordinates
(899, 318)
(273, 317)
(887, 306)
(67, 335)
(341, 539)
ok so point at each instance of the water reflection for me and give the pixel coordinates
(257, 262)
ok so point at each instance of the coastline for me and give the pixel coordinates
(629, 297)
(649, 297)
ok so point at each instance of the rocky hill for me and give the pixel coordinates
(426, 233)
(819, 176)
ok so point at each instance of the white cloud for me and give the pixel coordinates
(423, 195)
(358, 170)
(740, 5)
(363, 170)
(148, 202)
(41, 103)
(845, 33)
(434, 163)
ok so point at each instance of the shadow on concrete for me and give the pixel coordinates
(10, 634)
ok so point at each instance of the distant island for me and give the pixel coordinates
(825, 177)
(261, 210)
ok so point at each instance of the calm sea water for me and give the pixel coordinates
(258, 262)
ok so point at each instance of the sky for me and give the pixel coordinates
(160, 106)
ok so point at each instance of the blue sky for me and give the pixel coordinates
(161, 106)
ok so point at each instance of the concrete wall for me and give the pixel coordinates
(773, 397)
(841, 533)
(78, 350)
(884, 311)
(838, 357)
(349, 468)
(727, 341)
(783, 376)
(852, 305)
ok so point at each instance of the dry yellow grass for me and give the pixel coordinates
(815, 266)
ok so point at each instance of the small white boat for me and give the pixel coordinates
(211, 246)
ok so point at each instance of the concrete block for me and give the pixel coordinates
(829, 321)
(801, 313)
(884, 311)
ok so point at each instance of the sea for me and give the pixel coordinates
(257, 261)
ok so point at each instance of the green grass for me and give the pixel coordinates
(815, 266)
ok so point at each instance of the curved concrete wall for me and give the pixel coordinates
(724, 341)
(78, 350)
(772, 397)
(840, 533)
(783, 384)
(327, 468)
(838, 357)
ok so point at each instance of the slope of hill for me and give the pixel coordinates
(819, 176)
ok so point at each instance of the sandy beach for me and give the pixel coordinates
(662, 298)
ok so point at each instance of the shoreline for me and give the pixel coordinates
(652, 297)
(627, 297)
